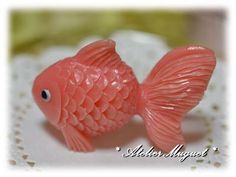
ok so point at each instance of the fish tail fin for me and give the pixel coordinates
(175, 85)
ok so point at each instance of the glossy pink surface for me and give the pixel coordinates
(94, 92)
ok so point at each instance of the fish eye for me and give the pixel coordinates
(45, 94)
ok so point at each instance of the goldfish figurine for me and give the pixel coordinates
(95, 92)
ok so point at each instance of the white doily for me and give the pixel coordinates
(34, 143)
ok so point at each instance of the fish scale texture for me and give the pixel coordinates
(97, 101)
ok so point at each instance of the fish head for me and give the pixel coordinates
(47, 93)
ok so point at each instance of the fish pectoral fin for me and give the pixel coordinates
(75, 140)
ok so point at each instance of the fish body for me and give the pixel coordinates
(95, 92)
(97, 100)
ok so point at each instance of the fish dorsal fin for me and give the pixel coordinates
(100, 54)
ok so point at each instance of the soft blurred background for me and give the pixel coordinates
(31, 31)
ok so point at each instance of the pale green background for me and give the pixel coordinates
(33, 30)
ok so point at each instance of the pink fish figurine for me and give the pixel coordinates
(95, 92)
